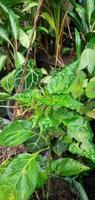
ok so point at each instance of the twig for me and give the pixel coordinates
(20, 87)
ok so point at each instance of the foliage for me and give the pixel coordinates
(55, 114)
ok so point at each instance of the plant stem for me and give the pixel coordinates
(49, 169)
(20, 87)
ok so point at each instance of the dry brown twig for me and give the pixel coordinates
(20, 88)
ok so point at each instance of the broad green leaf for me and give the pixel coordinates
(2, 61)
(84, 149)
(16, 133)
(50, 19)
(3, 6)
(14, 24)
(32, 78)
(67, 117)
(26, 98)
(90, 89)
(36, 142)
(3, 166)
(90, 8)
(78, 187)
(80, 190)
(59, 147)
(61, 81)
(4, 34)
(4, 96)
(76, 87)
(19, 59)
(24, 39)
(65, 100)
(80, 132)
(68, 167)
(89, 108)
(19, 179)
(29, 33)
(8, 82)
(13, 20)
(87, 60)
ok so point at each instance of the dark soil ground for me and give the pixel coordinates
(59, 190)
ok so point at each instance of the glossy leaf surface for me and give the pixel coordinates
(16, 133)
(19, 179)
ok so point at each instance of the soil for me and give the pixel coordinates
(59, 190)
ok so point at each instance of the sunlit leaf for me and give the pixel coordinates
(50, 19)
(68, 167)
(61, 81)
(61, 100)
(2, 61)
(87, 60)
(19, 178)
(4, 34)
(14, 24)
(90, 89)
(16, 133)
(76, 87)
(19, 59)
(8, 82)
(32, 77)
(4, 96)
(24, 39)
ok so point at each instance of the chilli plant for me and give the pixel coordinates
(54, 122)
(59, 121)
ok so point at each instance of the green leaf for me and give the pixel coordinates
(4, 34)
(68, 117)
(68, 167)
(3, 166)
(19, 59)
(61, 81)
(90, 89)
(2, 61)
(29, 6)
(32, 77)
(24, 39)
(16, 133)
(14, 24)
(89, 108)
(50, 19)
(65, 100)
(3, 6)
(26, 98)
(78, 43)
(80, 132)
(87, 60)
(90, 5)
(4, 96)
(42, 173)
(76, 87)
(13, 20)
(80, 190)
(8, 82)
(19, 179)
(84, 149)
(36, 142)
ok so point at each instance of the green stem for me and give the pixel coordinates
(49, 168)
